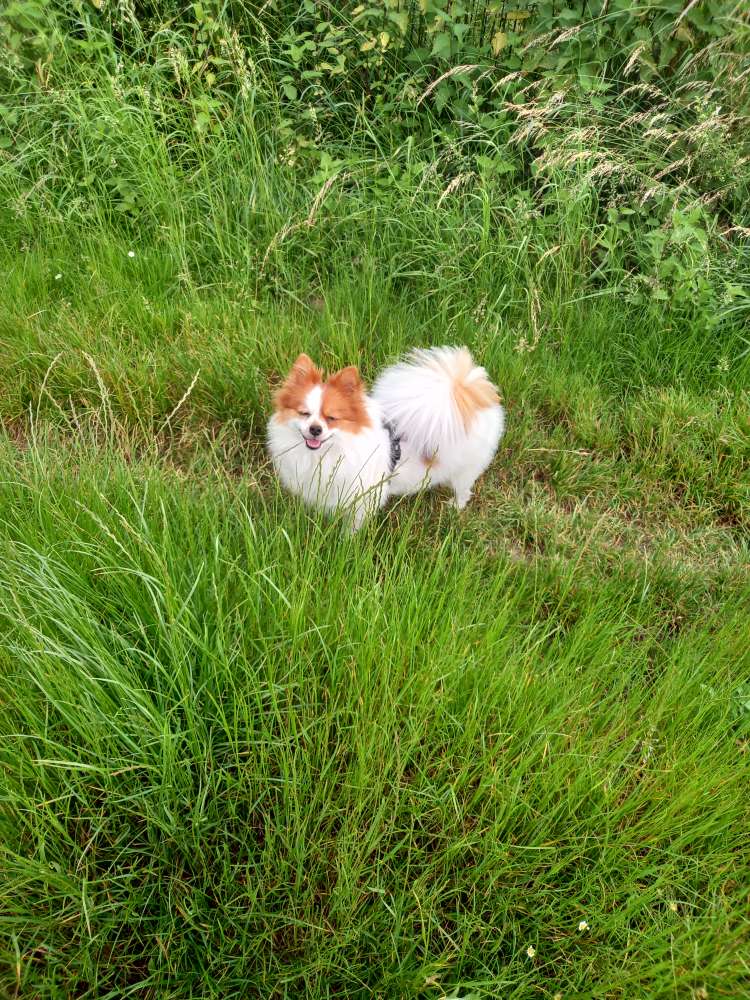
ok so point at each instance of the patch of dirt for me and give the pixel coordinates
(16, 430)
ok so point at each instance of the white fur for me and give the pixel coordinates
(353, 470)
(348, 470)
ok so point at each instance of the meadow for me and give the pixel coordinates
(497, 754)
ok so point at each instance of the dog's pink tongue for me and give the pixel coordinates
(312, 443)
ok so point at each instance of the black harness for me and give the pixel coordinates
(395, 444)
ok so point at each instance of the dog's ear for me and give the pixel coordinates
(304, 370)
(302, 375)
(347, 380)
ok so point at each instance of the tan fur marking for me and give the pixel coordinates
(302, 376)
(344, 399)
(470, 397)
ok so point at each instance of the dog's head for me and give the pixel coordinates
(322, 409)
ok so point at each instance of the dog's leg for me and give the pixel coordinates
(357, 518)
(462, 484)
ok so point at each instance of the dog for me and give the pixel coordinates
(433, 419)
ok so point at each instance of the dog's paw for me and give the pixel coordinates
(459, 502)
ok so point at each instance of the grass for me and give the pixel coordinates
(244, 754)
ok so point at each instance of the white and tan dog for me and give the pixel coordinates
(433, 419)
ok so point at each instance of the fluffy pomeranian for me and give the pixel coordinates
(433, 419)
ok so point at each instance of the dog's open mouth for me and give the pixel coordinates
(313, 443)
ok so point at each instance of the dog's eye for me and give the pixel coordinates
(303, 413)
(331, 420)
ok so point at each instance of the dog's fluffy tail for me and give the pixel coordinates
(433, 397)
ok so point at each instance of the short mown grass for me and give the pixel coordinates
(496, 754)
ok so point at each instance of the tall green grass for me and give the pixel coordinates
(502, 754)
(243, 755)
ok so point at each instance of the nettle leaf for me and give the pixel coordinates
(531, 60)
(569, 16)
(667, 52)
(499, 41)
(545, 10)
(401, 19)
(441, 45)
(685, 35)
(417, 56)
(588, 77)
(442, 96)
(599, 49)
(496, 165)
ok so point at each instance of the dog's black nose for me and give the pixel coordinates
(316, 430)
